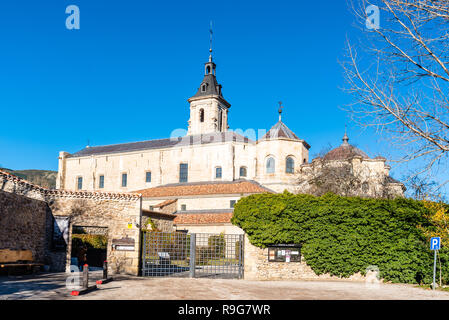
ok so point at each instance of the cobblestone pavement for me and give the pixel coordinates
(52, 286)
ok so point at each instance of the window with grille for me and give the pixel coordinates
(80, 183)
(289, 165)
(124, 180)
(242, 171)
(101, 182)
(183, 172)
(148, 176)
(218, 172)
(270, 165)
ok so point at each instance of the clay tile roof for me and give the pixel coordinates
(203, 218)
(6, 176)
(344, 153)
(151, 213)
(204, 188)
(165, 203)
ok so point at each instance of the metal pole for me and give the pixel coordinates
(241, 256)
(434, 268)
(192, 254)
(85, 276)
(105, 270)
(144, 253)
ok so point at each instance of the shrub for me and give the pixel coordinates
(344, 235)
(176, 244)
(217, 244)
(237, 250)
(90, 241)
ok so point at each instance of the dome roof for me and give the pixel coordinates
(280, 130)
(345, 151)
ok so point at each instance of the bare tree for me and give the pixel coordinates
(423, 189)
(402, 90)
(339, 177)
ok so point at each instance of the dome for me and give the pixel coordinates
(279, 130)
(345, 151)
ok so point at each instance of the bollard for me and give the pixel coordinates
(105, 274)
(85, 289)
(86, 276)
(105, 270)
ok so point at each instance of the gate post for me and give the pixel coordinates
(143, 253)
(192, 254)
(241, 256)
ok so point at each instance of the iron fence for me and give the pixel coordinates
(179, 254)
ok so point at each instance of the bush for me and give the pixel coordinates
(344, 235)
(90, 241)
(237, 250)
(203, 255)
(217, 244)
(177, 244)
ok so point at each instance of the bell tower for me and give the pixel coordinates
(208, 108)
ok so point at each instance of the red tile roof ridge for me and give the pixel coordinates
(67, 193)
(205, 187)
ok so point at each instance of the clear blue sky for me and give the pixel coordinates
(127, 73)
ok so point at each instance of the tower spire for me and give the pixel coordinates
(345, 138)
(280, 110)
(210, 41)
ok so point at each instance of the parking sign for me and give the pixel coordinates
(435, 243)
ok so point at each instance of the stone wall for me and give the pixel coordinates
(163, 222)
(257, 267)
(23, 224)
(121, 218)
(27, 213)
(226, 228)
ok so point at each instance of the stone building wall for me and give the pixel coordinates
(27, 212)
(162, 222)
(257, 267)
(121, 218)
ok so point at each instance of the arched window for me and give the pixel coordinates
(218, 172)
(289, 165)
(270, 165)
(201, 115)
(242, 171)
(208, 70)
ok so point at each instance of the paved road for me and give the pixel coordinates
(52, 286)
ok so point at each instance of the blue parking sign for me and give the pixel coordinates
(435, 243)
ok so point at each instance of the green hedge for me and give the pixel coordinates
(344, 235)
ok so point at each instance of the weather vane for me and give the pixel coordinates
(211, 34)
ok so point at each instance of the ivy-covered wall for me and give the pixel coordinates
(343, 236)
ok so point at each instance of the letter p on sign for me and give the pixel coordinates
(435, 243)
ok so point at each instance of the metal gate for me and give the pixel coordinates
(178, 254)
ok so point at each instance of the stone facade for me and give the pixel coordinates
(205, 147)
(257, 267)
(27, 213)
(122, 219)
(23, 225)
(162, 221)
